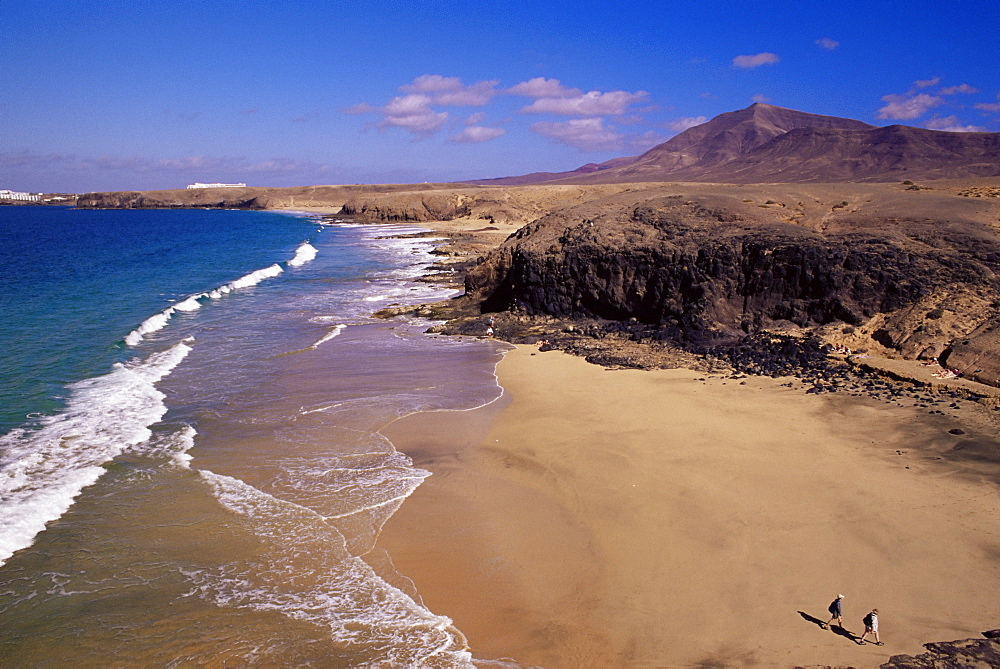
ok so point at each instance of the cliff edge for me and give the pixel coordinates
(913, 274)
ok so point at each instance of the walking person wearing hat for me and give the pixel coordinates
(836, 613)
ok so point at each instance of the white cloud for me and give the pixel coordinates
(416, 111)
(593, 103)
(961, 88)
(682, 124)
(586, 134)
(951, 124)
(907, 106)
(827, 43)
(473, 95)
(540, 87)
(412, 112)
(760, 97)
(476, 134)
(750, 62)
(450, 91)
(990, 106)
(913, 104)
(432, 83)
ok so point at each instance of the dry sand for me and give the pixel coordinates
(623, 518)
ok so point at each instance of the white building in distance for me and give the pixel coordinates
(201, 185)
(23, 197)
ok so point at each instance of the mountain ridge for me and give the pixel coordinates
(766, 143)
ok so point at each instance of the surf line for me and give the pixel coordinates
(45, 469)
(304, 253)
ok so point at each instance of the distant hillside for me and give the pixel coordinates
(545, 177)
(764, 143)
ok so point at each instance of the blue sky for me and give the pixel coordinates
(146, 94)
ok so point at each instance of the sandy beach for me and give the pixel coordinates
(625, 518)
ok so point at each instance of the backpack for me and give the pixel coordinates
(867, 620)
(832, 608)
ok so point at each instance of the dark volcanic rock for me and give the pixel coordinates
(965, 653)
(977, 354)
(698, 269)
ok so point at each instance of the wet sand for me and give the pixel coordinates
(598, 518)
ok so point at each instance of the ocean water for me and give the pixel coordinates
(191, 468)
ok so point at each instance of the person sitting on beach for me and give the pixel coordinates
(836, 613)
(871, 627)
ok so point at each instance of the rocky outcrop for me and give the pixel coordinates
(409, 207)
(712, 268)
(514, 206)
(983, 652)
(219, 199)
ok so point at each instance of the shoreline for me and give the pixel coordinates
(498, 538)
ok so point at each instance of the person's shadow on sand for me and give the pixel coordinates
(837, 629)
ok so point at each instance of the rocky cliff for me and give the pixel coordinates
(708, 266)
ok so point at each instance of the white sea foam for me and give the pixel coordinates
(150, 325)
(303, 254)
(392, 294)
(43, 470)
(253, 278)
(334, 332)
(172, 445)
(190, 304)
(327, 586)
(159, 321)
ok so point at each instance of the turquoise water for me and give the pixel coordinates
(191, 469)
(74, 283)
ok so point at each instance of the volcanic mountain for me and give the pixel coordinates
(764, 143)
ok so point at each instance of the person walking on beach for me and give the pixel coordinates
(836, 613)
(871, 627)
